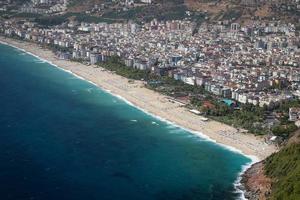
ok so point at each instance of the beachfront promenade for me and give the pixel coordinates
(156, 103)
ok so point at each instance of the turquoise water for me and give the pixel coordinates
(64, 138)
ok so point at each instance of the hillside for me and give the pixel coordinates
(242, 11)
(278, 177)
(118, 10)
(284, 168)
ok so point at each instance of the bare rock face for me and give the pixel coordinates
(256, 184)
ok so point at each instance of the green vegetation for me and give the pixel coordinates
(147, 13)
(298, 27)
(115, 64)
(284, 107)
(171, 87)
(5, 14)
(165, 85)
(74, 3)
(56, 48)
(161, 9)
(284, 130)
(11, 14)
(82, 17)
(252, 117)
(284, 168)
(50, 20)
(247, 116)
(134, 12)
(27, 15)
(80, 60)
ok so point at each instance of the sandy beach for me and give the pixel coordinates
(155, 103)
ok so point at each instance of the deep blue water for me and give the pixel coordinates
(63, 138)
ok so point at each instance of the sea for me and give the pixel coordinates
(63, 138)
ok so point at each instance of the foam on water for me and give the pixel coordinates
(154, 123)
(72, 78)
(171, 124)
(176, 131)
(237, 184)
(39, 61)
(89, 90)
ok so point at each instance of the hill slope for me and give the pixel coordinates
(242, 11)
(277, 177)
(117, 11)
(246, 10)
(284, 168)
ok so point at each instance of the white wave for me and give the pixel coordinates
(237, 183)
(72, 77)
(77, 76)
(121, 98)
(27, 52)
(39, 61)
(91, 82)
(176, 131)
(233, 149)
(203, 136)
(130, 103)
(154, 123)
(171, 127)
(133, 120)
(89, 90)
(5, 43)
(192, 136)
(49, 62)
(253, 159)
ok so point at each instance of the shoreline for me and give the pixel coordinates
(209, 133)
(157, 106)
(255, 184)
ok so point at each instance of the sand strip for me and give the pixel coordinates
(155, 103)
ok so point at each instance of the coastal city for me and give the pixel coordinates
(256, 64)
(226, 78)
(247, 64)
